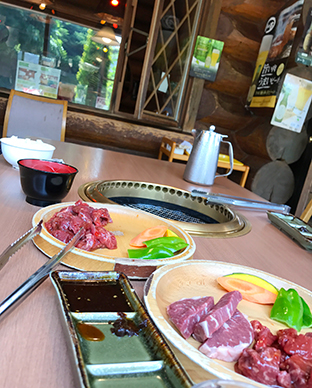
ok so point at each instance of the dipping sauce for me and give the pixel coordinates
(125, 326)
(95, 297)
(90, 332)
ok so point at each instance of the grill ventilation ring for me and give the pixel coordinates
(194, 214)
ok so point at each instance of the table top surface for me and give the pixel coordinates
(34, 352)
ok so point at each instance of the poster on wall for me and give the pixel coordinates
(273, 55)
(293, 103)
(304, 52)
(206, 58)
(37, 79)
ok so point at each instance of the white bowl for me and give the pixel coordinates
(14, 149)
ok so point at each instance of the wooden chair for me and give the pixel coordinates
(29, 115)
(307, 213)
(170, 151)
(223, 161)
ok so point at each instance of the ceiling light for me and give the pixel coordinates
(106, 35)
(114, 3)
(42, 6)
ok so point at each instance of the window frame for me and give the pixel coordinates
(71, 14)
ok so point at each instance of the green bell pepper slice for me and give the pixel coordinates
(167, 241)
(291, 309)
(158, 248)
(150, 253)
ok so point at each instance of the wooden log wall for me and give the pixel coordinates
(266, 149)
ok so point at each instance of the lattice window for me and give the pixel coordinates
(171, 60)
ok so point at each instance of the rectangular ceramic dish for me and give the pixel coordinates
(97, 309)
(294, 227)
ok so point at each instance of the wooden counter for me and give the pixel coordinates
(33, 348)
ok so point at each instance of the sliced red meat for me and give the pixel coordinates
(106, 238)
(63, 235)
(262, 366)
(186, 312)
(88, 242)
(283, 379)
(217, 316)
(263, 336)
(68, 221)
(301, 345)
(299, 370)
(101, 217)
(292, 343)
(228, 342)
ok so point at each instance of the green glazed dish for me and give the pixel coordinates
(113, 340)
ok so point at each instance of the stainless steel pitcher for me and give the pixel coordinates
(202, 164)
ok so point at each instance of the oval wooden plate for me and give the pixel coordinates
(127, 223)
(198, 278)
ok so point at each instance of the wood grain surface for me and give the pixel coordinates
(127, 224)
(34, 349)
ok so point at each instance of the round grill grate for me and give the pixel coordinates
(166, 210)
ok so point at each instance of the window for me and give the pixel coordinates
(144, 76)
(41, 54)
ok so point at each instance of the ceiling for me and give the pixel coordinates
(89, 12)
(96, 6)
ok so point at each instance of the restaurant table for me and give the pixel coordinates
(33, 347)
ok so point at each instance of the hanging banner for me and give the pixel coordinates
(293, 103)
(206, 58)
(273, 55)
(304, 53)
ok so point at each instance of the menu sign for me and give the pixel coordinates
(37, 79)
(206, 58)
(273, 55)
(293, 103)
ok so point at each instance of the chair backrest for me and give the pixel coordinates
(307, 213)
(28, 115)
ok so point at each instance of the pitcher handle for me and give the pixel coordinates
(231, 159)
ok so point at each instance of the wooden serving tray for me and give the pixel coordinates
(127, 223)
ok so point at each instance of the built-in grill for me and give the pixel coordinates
(194, 214)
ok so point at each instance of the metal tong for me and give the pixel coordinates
(37, 277)
(248, 204)
(11, 249)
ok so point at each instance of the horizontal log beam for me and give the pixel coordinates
(114, 134)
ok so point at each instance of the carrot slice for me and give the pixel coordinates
(148, 234)
(249, 291)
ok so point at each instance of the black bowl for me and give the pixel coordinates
(45, 182)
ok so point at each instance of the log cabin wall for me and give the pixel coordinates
(267, 150)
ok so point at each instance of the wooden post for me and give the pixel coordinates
(207, 28)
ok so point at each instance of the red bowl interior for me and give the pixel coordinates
(48, 166)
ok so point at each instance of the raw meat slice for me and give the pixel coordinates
(216, 317)
(66, 223)
(261, 366)
(185, 313)
(228, 342)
